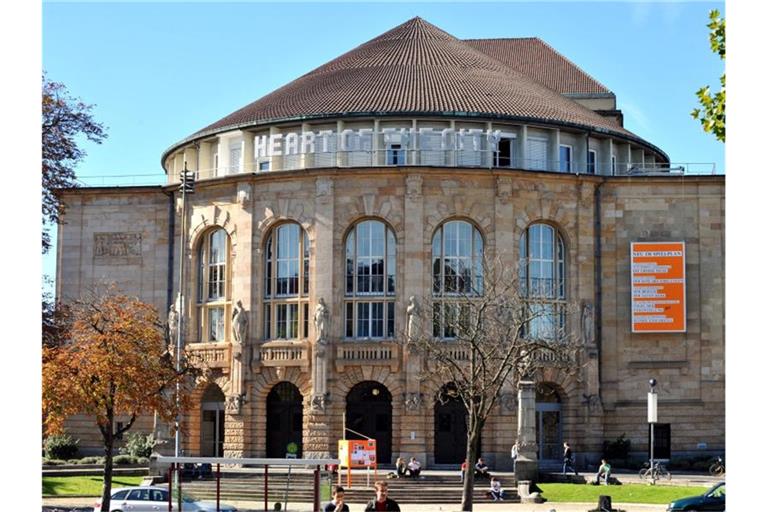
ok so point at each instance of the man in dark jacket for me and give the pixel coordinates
(381, 501)
(568, 459)
(337, 502)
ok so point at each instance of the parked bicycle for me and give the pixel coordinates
(718, 467)
(658, 472)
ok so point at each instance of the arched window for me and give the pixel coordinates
(542, 280)
(369, 297)
(457, 271)
(213, 295)
(286, 283)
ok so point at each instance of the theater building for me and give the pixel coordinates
(385, 174)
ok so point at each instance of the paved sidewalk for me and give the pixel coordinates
(86, 504)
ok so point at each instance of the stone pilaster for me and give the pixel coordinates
(412, 433)
(527, 466)
(318, 432)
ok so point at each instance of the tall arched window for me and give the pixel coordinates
(286, 283)
(542, 280)
(457, 271)
(213, 300)
(369, 298)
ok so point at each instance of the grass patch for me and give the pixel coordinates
(83, 485)
(627, 493)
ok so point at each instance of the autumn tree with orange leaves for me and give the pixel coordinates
(114, 363)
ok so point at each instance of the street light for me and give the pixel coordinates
(653, 417)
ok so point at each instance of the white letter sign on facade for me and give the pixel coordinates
(658, 286)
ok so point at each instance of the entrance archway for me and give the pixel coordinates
(285, 418)
(369, 412)
(451, 427)
(212, 422)
(549, 426)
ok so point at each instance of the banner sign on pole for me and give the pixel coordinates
(658, 286)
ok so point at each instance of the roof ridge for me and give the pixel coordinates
(569, 61)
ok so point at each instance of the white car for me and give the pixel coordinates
(151, 499)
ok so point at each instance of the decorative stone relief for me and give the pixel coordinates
(320, 402)
(413, 313)
(117, 248)
(504, 187)
(243, 193)
(324, 188)
(413, 401)
(234, 403)
(509, 402)
(413, 185)
(320, 366)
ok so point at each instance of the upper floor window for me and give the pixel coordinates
(286, 283)
(565, 158)
(457, 272)
(591, 161)
(537, 149)
(213, 302)
(543, 281)
(369, 304)
(457, 259)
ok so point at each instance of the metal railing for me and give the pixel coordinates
(411, 158)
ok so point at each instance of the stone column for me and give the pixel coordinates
(412, 427)
(527, 466)
(317, 443)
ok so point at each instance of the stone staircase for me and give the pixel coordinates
(432, 488)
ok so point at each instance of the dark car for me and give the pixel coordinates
(713, 499)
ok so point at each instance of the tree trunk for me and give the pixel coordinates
(107, 433)
(469, 473)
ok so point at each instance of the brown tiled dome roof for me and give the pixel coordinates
(536, 59)
(416, 68)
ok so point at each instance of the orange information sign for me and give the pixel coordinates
(658, 286)
(356, 453)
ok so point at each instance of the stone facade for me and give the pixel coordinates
(122, 235)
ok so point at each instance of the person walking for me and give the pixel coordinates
(337, 501)
(568, 459)
(604, 470)
(514, 453)
(382, 501)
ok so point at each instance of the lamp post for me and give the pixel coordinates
(652, 419)
(187, 187)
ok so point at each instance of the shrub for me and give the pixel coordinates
(92, 460)
(121, 460)
(138, 444)
(54, 462)
(618, 449)
(60, 447)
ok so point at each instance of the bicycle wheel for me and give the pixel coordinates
(645, 473)
(717, 469)
(663, 473)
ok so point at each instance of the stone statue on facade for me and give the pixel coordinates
(587, 324)
(239, 324)
(322, 318)
(173, 324)
(320, 402)
(320, 368)
(413, 312)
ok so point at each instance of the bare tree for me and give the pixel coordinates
(489, 331)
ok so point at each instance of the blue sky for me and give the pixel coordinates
(158, 72)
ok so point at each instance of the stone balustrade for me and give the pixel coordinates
(284, 354)
(210, 355)
(374, 353)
